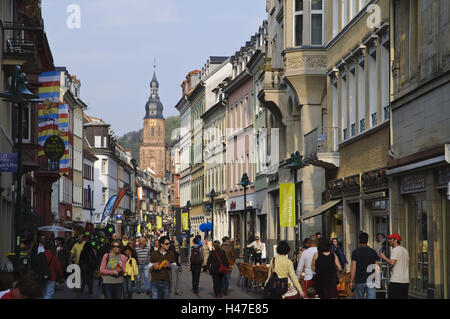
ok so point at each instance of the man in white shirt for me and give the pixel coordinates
(399, 284)
(306, 262)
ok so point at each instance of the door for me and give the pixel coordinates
(418, 244)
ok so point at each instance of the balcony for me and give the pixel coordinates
(18, 44)
(322, 149)
(272, 93)
(375, 180)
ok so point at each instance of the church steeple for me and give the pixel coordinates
(154, 107)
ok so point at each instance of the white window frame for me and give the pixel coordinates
(344, 13)
(297, 13)
(311, 12)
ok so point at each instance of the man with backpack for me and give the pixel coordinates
(195, 264)
(48, 270)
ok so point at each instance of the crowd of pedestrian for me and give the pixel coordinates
(151, 264)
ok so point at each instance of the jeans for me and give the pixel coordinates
(160, 289)
(143, 274)
(113, 291)
(362, 291)
(127, 287)
(226, 281)
(49, 289)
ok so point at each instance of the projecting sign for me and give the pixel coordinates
(54, 147)
(8, 162)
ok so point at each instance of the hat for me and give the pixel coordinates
(395, 236)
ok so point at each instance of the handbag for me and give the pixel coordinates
(276, 287)
(223, 270)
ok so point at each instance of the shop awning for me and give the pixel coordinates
(319, 210)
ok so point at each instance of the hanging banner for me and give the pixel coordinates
(287, 205)
(185, 219)
(159, 222)
(138, 229)
(149, 226)
(122, 192)
(108, 208)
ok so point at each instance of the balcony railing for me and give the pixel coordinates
(17, 40)
(375, 179)
(325, 142)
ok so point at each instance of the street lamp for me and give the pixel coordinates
(295, 163)
(18, 94)
(211, 195)
(244, 183)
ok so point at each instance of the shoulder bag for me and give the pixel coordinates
(276, 287)
(223, 270)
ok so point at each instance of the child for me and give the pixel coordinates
(311, 293)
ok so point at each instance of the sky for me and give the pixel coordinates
(113, 50)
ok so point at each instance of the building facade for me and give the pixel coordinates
(419, 136)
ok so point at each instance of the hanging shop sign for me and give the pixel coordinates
(54, 147)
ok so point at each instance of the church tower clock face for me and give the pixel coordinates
(152, 122)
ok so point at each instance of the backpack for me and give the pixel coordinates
(41, 267)
(276, 287)
(196, 256)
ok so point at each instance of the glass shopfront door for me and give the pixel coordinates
(418, 244)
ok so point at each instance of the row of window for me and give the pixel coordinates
(349, 93)
(346, 9)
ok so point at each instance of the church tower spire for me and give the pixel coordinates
(154, 107)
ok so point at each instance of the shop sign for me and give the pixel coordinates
(413, 184)
(8, 162)
(443, 177)
(54, 147)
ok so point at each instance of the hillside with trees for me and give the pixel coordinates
(132, 140)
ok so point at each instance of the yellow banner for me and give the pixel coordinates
(185, 219)
(287, 205)
(159, 222)
(138, 229)
(149, 226)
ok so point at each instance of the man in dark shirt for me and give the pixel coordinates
(161, 262)
(364, 260)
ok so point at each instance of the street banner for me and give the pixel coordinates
(8, 162)
(139, 229)
(63, 128)
(122, 192)
(149, 226)
(108, 208)
(287, 205)
(159, 222)
(90, 200)
(185, 219)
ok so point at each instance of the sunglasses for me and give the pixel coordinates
(115, 246)
(166, 244)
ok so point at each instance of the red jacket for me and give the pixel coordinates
(55, 266)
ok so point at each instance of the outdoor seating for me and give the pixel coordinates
(260, 274)
(344, 289)
(248, 276)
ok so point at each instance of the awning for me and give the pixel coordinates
(319, 210)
